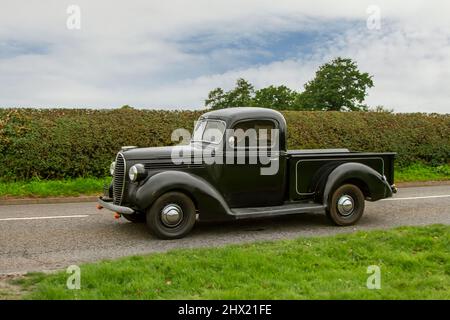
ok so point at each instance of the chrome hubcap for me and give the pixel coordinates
(345, 205)
(171, 215)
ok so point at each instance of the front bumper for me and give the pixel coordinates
(108, 204)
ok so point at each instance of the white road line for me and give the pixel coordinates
(413, 198)
(42, 218)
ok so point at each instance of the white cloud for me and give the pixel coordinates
(169, 54)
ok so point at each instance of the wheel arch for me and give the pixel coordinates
(206, 198)
(184, 191)
(361, 184)
(371, 183)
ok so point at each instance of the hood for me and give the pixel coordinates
(155, 152)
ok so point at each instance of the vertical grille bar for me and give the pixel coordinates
(119, 179)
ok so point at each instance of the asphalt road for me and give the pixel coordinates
(51, 236)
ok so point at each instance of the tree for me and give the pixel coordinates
(240, 96)
(338, 85)
(216, 99)
(279, 98)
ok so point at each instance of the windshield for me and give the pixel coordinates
(210, 131)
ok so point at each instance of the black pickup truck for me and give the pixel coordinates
(172, 187)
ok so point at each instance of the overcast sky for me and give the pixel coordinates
(170, 54)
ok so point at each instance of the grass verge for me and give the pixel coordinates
(53, 188)
(420, 172)
(93, 186)
(414, 264)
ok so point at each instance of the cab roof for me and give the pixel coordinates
(234, 114)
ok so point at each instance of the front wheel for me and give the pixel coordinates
(346, 205)
(171, 216)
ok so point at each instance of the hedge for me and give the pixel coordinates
(62, 143)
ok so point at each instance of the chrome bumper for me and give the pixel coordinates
(107, 203)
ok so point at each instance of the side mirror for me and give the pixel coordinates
(232, 141)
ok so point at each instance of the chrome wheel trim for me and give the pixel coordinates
(345, 205)
(171, 215)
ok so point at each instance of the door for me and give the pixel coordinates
(256, 176)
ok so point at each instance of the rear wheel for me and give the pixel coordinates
(346, 205)
(171, 216)
(134, 217)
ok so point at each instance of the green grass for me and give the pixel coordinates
(414, 262)
(92, 186)
(53, 188)
(420, 172)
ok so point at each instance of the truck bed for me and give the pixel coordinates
(305, 166)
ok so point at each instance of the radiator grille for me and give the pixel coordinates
(119, 179)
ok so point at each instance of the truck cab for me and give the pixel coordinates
(236, 165)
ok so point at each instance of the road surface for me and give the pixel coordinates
(44, 237)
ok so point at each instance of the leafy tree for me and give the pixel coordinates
(338, 85)
(240, 96)
(216, 99)
(279, 98)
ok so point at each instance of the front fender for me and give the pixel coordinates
(208, 200)
(375, 185)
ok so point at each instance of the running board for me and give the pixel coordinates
(290, 208)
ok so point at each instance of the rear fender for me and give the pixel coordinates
(376, 186)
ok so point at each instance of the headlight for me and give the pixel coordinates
(112, 167)
(137, 172)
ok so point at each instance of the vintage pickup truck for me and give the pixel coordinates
(171, 192)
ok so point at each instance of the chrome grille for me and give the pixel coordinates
(119, 179)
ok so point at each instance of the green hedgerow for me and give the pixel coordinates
(69, 143)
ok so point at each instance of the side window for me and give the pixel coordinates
(254, 133)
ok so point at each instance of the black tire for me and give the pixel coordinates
(339, 212)
(135, 217)
(171, 203)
